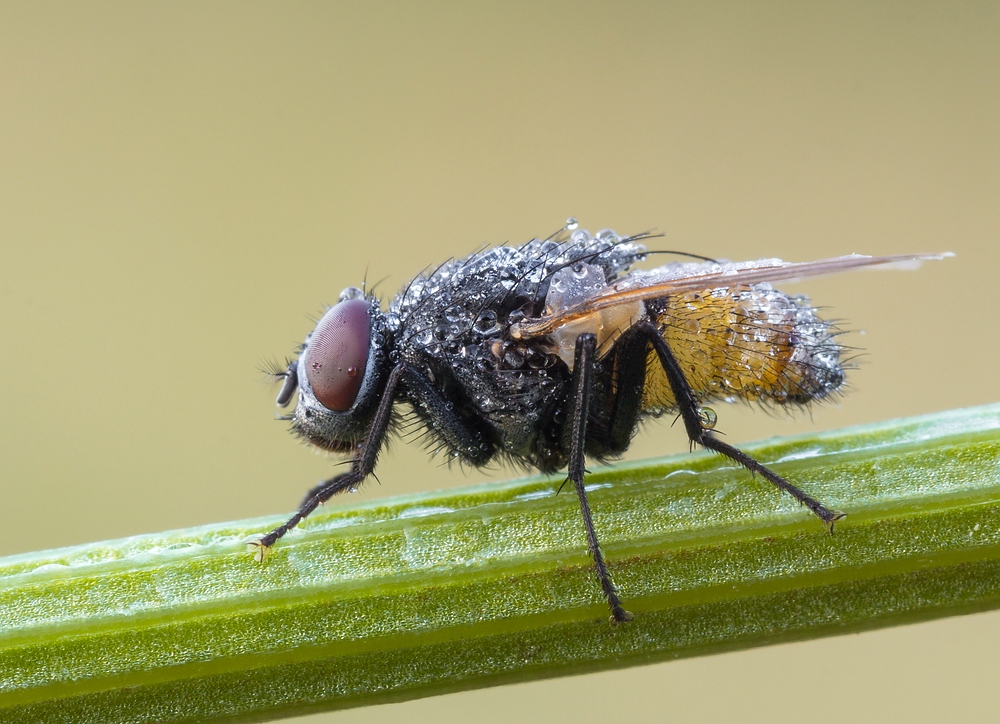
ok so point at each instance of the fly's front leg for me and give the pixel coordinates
(361, 467)
(457, 433)
(583, 381)
(688, 407)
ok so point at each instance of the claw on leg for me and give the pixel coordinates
(620, 615)
(258, 548)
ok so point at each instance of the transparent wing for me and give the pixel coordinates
(694, 277)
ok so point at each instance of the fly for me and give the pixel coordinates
(553, 351)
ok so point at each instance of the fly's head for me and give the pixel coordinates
(339, 374)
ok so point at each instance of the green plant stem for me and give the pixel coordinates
(397, 599)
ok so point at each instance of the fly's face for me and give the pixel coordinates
(338, 374)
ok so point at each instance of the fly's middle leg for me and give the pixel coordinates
(697, 433)
(583, 380)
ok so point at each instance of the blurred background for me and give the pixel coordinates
(183, 186)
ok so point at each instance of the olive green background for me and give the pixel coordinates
(183, 185)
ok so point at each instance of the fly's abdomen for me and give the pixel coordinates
(748, 342)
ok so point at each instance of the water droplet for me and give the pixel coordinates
(352, 371)
(571, 223)
(537, 360)
(486, 323)
(513, 358)
(691, 326)
(708, 417)
(351, 293)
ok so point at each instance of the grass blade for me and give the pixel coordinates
(408, 597)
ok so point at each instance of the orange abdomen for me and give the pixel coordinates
(748, 342)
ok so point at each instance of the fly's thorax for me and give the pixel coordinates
(464, 300)
(341, 372)
(750, 342)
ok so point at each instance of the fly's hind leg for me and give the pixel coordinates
(583, 380)
(688, 407)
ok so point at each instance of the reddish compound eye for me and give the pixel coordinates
(338, 353)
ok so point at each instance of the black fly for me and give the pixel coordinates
(549, 352)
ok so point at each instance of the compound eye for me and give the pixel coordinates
(338, 354)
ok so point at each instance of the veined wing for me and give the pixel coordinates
(682, 278)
